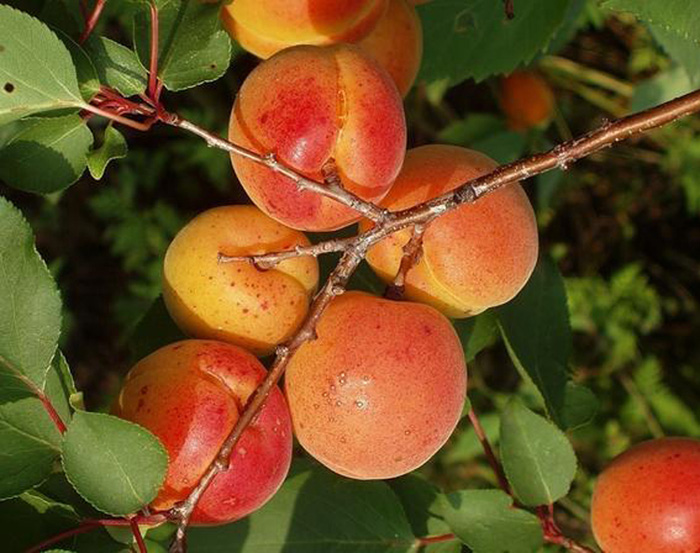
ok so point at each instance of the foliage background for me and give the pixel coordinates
(623, 225)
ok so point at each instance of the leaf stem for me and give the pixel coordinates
(83, 528)
(153, 88)
(488, 451)
(92, 20)
(137, 535)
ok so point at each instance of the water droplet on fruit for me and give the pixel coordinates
(407, 432)
(242, 452)
(338, 403)
(316, 406)
(360, 403)
(343, 440)
(366, 379)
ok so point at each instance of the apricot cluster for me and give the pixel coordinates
(361, 396)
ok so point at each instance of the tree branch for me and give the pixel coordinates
(412, 252)
(329, 189)
(270, 260)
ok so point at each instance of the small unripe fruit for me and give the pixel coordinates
(236, 302)
(648, 499)
(397, 43)
(380, 390)
(190, 395)
(478, 256)
(527, 100)
(327, 108)
(264, 27)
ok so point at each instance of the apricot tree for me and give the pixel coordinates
(200, 433)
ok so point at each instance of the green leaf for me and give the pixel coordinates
(425, 508)
(486, 521)
(537, 457)
(662, 87)
(535, 327)
(476, 333)
(117, 66)
(458, 34)
(36, 69)
(679, 16)
(580, 406)
(193, 47)
(113, 147)
(683, 50)
(46, 155)
(115, 465)
(316, 511)
(85, 70)
(154, 330)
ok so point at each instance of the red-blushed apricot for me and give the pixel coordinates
(190, 395)
(264, 27)
(648, 499)
(475, 257)
(527, 100)
(311, 106)
(235, 302)
(397, 43)
(380, 390)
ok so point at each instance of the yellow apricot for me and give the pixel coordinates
(264, 27)
(236, 302)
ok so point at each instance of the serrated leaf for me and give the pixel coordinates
(486, 521)
(679, 16)
(458, 33)
(316, 511)
(535, 327)
(113, 147)
(193, 47)
(117, 66)
(115, 465)
(537, 457)
(580, 406)
(425, 508)
(46, 155)
(36, 69)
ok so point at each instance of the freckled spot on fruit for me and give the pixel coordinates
(144, 389)
(246, 310)
(2, 48)
(343, 440)
(140, 404)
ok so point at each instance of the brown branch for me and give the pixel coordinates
(330, 190)
(334, 286)
(267, 261)
(412, 252)
(386, 223)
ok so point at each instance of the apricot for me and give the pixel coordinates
(190, 395)
(475, 257)
(527, 100)
(380, 390)
(648, 499)
(397, 43)
(264, 27)
(235, 302)
(316, 107)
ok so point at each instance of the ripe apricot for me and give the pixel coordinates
(235, 302)
(648, 499)
(527, 100)
(264, 27)
(314, 107)
(380, 390)
(190, 395)
(475, 257)
(397, 43)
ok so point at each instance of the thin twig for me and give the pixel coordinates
(647, 412)
(270, 260)
(92, 20)
(153, 89)
(488, 451)
(85, 527)
(136, 531)
(338, 193)
(552, 533)
(334, 286)
(412, 252)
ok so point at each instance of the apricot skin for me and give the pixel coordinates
(478, 256)
(235, 302)
(311, 106)
(264, 27)
(380, 390)
(526, 100)
(648, 499)
(190, 394)
(397, 44)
